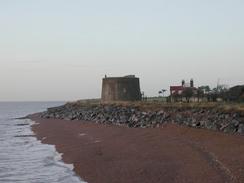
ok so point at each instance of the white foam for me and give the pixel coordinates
(23, 158)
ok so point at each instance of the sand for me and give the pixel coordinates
(113, 154)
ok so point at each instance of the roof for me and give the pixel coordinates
(179, 89)
(176, 88)
(130, 76)
(122, 77)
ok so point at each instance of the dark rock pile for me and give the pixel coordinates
(228, 122)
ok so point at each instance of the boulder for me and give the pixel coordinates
(213, 119)
(241, 129)
(230, 128)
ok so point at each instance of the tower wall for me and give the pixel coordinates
(121, 89)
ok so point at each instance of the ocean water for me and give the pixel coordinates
(24, 159)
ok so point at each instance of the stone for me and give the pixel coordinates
(197, 124)
(241, 129)
(123, 119)
(235, 115)
(231, 128)
(235, 122)
(210, 125)
(132, 117)
(160, 112)
(178, 118)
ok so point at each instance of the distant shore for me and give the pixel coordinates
(106, 153)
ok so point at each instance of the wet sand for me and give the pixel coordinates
(113, 154)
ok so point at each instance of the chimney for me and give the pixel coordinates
(183, 82)
(192, 83)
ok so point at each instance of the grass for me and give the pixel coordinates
(159, 105)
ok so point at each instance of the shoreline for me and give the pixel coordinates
(104, 153)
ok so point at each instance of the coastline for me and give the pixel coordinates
(104, 153)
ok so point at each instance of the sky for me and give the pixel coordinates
(55, 50)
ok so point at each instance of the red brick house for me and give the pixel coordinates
(176, 91)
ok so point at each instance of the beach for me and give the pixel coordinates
(104, 153)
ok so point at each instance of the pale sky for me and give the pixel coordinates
(61, 49)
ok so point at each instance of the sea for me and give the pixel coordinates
(23, 158)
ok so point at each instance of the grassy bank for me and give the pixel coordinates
(156, 105)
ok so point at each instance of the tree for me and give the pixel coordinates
(200, 93)
(221, 91)
(176, 97)
(188, 93)
(206, 89)
(162, 92)
(236, 93)
(203, 91)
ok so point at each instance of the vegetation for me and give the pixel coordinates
(231, 100)
(188, 94)
(159, 105)
(204, 93)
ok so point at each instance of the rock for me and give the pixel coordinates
(133, 111)
(144, 113)
(241, 129)
(108, 108)
(227, 116)
(211, 125)
(235, 115)
(179, 118)
(130, 125)
(160, 113)
(235, 122)
(123, 119)
(231, 128)
(153, 123)
(133, 117)
(196, 124)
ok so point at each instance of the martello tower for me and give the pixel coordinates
(125, 88)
